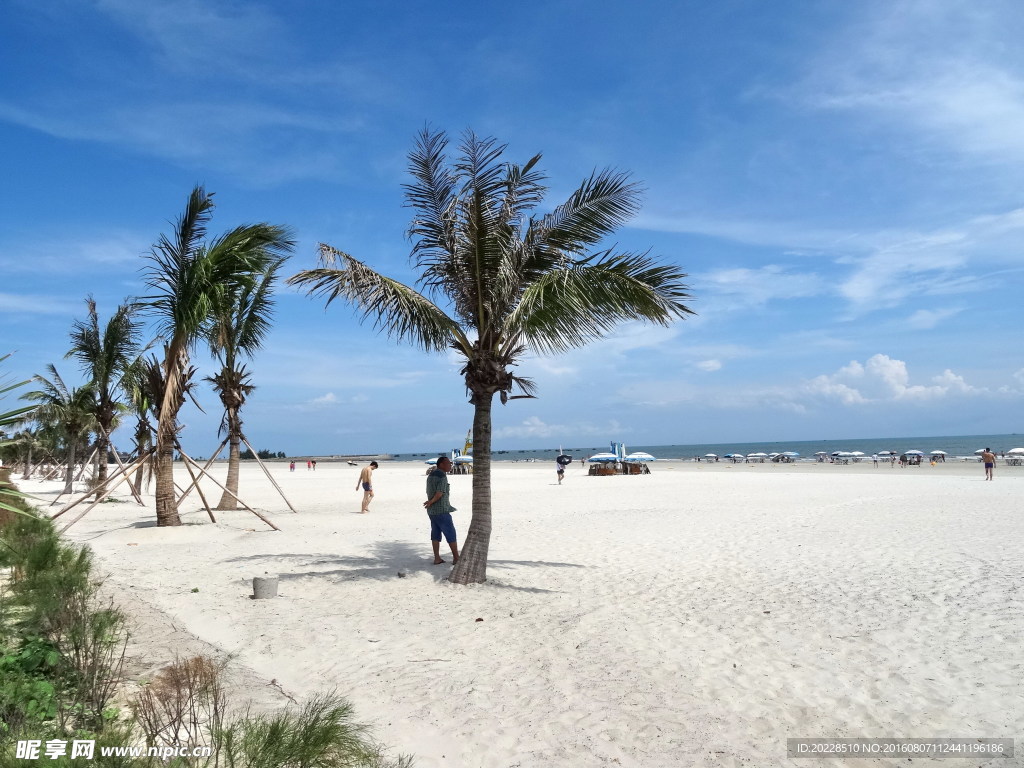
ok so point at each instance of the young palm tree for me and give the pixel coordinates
(240, 324)
(142, 395)
(514, 282)
(189, 279)
(69, 410)
(106, 355)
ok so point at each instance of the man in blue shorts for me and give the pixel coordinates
(440, 509)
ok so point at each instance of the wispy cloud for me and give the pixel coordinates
(37, 304)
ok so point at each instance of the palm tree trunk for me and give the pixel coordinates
(102, 447)
(166, 501)
(70, 474)
(28, 464)
(472, 565)
(227, 501)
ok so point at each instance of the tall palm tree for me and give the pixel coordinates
(240, 323)
(189, 278)
(106, 354)
(514, 282)
(69, 410)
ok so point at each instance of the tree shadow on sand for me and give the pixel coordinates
(384, 564)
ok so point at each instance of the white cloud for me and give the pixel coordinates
(709, 365)
(533, 426)
(925, 319)
(883, 379)
(38, 304)
(329, 399)
(749, 288)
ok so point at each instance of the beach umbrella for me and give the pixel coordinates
(856, 453)
(604, 457)
(430, 461)
(938, 453)
(821, 453)
(914, 453)
(733, 455)
(886, 453)
(979, 451)
(710, 455)
(463, 459)
(641, 456)
(790, 454)
(1016, 451)
(564, 459)
(757, 455)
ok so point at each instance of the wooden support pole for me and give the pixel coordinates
(187, 458)
(269, 476)
(195, 483)
(206, 470)
(124, 476)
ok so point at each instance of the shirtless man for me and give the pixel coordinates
(990, 462)
(366, 481)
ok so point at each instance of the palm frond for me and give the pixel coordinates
(567, 308)
(400, 311)
(601, 204)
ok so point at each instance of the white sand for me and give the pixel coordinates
(696, 616)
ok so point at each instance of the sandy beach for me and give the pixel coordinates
(697, 616)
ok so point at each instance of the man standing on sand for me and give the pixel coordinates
(366, 481)
(990, 462)
(440, 509)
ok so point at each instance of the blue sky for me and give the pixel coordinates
(843, 182)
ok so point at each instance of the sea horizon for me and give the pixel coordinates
(953, 445)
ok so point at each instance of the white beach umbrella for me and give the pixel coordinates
(914, 453)
(710, 455)
(463, 459)
(1016, 451)
(790, 454)
(886, 453)
(938, 453)
(604, 457)
(757, 455)
(641, 456)
(979, 451)
(857, 453)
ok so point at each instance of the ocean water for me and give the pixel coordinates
(954, 445)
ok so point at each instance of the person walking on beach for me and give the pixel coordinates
(440, 509)
(291, 467)
(366, 481)
(874, 458)
(313, 462)
(990, 462)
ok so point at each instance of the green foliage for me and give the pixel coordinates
(263, 453)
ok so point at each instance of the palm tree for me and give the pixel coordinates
(106, 355)
(189, 279)
(241, 322)
(514, 282)
(141, 392)
(70, 411)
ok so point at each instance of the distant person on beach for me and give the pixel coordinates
(990, 462)
(560, 471)
(366, 481)
(874, 458)
(309, 465)
(440, 509)
(291, 467)
(314, 464)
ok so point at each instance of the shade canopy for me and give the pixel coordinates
(604, 457)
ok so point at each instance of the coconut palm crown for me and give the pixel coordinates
(512, 281)
(106, 354)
